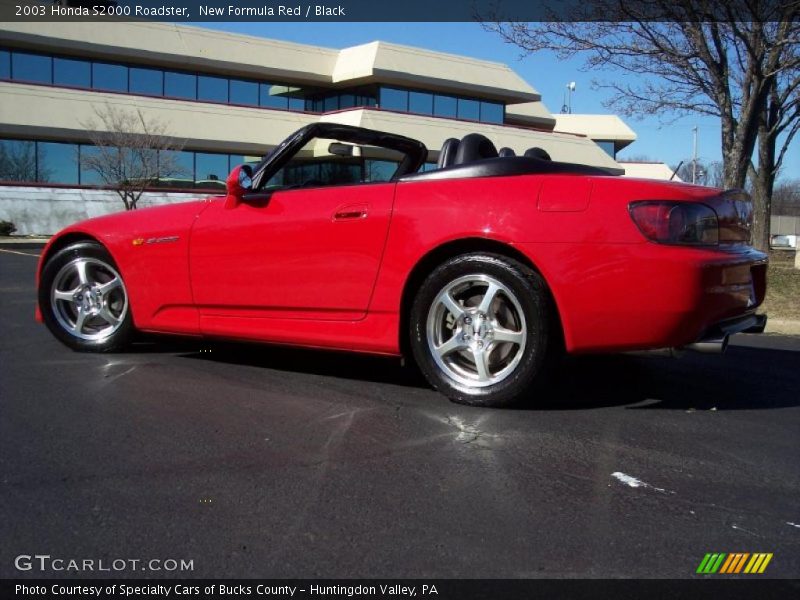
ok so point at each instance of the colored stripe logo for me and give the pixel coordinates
(733, 563)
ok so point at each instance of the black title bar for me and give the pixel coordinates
(188, 11)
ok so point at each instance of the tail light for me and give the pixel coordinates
(682, 223)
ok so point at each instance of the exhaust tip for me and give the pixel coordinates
(710, 346)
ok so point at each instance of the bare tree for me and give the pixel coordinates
(18, 162)
(131, 153)
(678, 57)
(786, 198)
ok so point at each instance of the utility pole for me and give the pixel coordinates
(694, 156)
(566, 107)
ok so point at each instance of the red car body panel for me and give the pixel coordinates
(327, 267)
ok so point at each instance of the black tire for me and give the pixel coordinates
(526, 358)
(88, 335)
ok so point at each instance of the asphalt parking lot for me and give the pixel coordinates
(271, 462)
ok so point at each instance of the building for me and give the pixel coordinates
(232, 97)
(649, 170)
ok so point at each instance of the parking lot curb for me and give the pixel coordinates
(23, 242)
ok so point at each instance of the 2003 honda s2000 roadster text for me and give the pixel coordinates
(482, 269)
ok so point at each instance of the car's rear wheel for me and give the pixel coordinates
(83, 299)
(481, 329)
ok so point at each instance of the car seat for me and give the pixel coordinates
(447, 155)
(474, 146)
(537, 152)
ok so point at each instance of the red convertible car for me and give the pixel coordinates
(483, 269)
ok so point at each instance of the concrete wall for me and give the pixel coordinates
(44, 210)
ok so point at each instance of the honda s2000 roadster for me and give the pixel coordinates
(481, 269)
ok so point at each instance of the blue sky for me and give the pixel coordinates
(549, 75)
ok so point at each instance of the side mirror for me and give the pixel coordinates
(239, 183)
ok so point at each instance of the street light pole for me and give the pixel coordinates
(694, 156)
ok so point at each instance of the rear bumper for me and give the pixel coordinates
(627, 297)
(745, 324)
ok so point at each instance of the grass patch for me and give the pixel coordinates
(783, 287)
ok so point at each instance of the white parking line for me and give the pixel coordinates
(18, 252)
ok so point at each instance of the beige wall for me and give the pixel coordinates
(597, 127)
(649, 170)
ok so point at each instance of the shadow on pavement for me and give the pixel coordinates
(745, 378)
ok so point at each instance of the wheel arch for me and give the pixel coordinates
(61, 242)
(454, 248)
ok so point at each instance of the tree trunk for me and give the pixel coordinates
(736, 153)
(763, 182)
(764, 178)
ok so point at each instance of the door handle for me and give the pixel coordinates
(351, 212)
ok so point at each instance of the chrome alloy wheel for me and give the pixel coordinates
(476, 330)
(89, 299)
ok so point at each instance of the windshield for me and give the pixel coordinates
(327, 162)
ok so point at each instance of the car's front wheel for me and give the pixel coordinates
(481, 329)
(83, 299)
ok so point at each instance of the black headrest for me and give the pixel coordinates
(506, 152)
(474, 146)
(447, 155)
(537, 152)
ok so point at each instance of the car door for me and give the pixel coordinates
(308, 254)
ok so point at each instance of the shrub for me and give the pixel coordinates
(7, 228)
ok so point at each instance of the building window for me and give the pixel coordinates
(244, 92)
(66, 164)
(445, 106)
(273, 96)
(57, 163)
(440, 105)
(180, 85)
(313, 105)
(148, 82)
(181, 163)
(72, 73)
(331, 102)
(5, 64)
(88, 176)
(469, 109)
(394, 99)
(211, 170)
(109, 77)
(608, 147)
(347, 101)
(17, 160)
(492, 112)
(212, 89)
(138, 79)
(31, 67)
(420, 103)
(296, 98)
